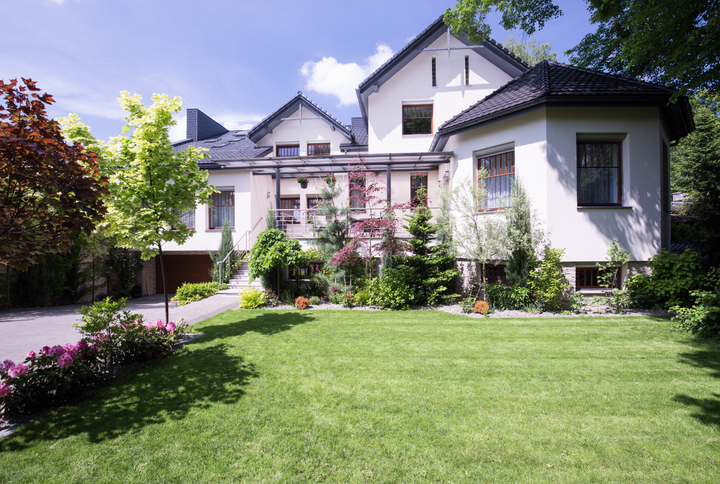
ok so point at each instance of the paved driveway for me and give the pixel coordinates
(23, 330)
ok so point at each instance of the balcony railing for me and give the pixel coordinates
(304, 223)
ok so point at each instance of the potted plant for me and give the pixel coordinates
(303, 181)
(330, 180)
(418, 176)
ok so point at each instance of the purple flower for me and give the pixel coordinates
(18, 370)
(4, 389)
(31, 354)
(65, 361)
(45, 350)
(171, 327)
(81, 345)
(6, 365)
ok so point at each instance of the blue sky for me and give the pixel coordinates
(236, 60)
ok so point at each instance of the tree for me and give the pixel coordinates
(696, 162)
(273, 251)
(524, 237)
(479, 237)
(225, 258)
(665, 41)
(150, 184)
(50, 191)
(529, 50)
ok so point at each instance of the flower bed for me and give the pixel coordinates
(61, 373)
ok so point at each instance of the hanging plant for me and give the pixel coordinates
(418, 176)
(330, 179)
(302, 179)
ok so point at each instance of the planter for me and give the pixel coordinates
(303, 185)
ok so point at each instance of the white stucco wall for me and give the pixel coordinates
(545, 144)
(413, 85)
(303, 132)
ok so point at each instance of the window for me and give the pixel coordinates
(417, 119)
(289, 210)
(288, 150)
(418, 181)
(599, 174)
(587, 278)
(312, 204)
(187, 218)
(357, 194)
(500, 175)
(434, 71)
(494, 273)
(467, 70)
(223, 208)
(318, 149)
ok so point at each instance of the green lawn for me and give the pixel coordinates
(338, 396)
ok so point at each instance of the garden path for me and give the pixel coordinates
(22, 330)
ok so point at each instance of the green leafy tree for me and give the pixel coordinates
(670, 42)
(530, 50)
(224, 257)
(548, 282)
(524, 236)
(272, 252)
(150, 184)
(50, 191)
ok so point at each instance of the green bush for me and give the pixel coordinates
(314, 300)
(336, 297)
(252, 298)
(392, 291)
(467, 304)
(500, 296)
(703, 319)
(190, 292)
(362, 297)
(548, 282)
(102, 315)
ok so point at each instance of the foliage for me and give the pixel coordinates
(150, 184)
(121, 269)
(314, 300)
(674, 277)
(432, 265)
(190, 292)
(524, 237)
(530, 50)
(662, 41)
(548, 282)
(392, 289)
(362, 297)
(615, 258)
(331, 221)
(252, 298)
(703, 318)
(302, 302)
(696, 166)
(336, 297)
(348, 300)
(50, 191)
(225, 253)
(273, 251)
(270, 219)
(61, 373)
(501, 296)
(481, 307)
(467, 304)
(479, 236)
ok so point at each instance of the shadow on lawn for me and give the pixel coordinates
(705, 355)
(163, 391)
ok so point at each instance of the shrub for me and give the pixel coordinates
(336, 297)
(481, 307)
(314, 300)
(703, 319)
(548, 282)
(252, 298)
(348, 300)
(392, 291)
(467, 304)
(362, 297)
(190, 292)
(501, 296)
(302, 302)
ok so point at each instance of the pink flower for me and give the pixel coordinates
(31, 354)
(65, 361)
(45, 350)
(56, 351)
(6, 365)
(171, 327)
(18, 370)
(81, 345)
(4, 389)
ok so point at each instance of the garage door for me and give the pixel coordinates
(183, 268)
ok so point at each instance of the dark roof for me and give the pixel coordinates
(231, 145)
(491, 50)
(560, 84)
(359, 143)
(271, 122)
(201, 126)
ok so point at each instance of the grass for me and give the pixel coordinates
(298, 396)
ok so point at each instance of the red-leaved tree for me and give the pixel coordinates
(50, 191)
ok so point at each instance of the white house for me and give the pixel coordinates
(591, 150)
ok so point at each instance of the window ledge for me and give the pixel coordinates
(604, 207)
(218, 230)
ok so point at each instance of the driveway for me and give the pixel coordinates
(22, 330)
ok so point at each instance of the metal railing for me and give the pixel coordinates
(245, 237)
(304, 223)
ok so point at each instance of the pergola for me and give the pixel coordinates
(319, 166)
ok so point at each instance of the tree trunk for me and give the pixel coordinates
(165, 288)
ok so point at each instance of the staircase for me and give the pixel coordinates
(241, 279)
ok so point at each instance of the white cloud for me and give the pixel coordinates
(329, 76)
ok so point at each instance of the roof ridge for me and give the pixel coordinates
(508, 51)
(610, 75)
